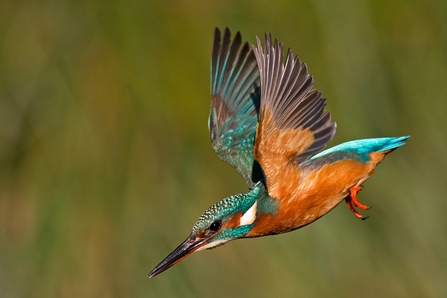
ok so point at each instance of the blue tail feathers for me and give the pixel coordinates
(365, 146)
(390, 143)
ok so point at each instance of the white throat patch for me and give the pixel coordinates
(249, 217)
(212, 244)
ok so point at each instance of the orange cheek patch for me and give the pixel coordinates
(233, 221)
(200, 234)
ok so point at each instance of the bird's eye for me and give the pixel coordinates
(215, 226)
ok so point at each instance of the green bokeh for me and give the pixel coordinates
(106, 163)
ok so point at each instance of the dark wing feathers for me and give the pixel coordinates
(237, 73)
(235, 103)
(286, 91)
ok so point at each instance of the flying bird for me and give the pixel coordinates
(270, 125)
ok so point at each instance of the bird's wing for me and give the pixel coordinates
(235, 102)
(293, 124)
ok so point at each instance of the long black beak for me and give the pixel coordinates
(182, 251)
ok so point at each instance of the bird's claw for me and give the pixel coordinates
(351, 201)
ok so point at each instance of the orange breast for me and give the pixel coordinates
(305, 196)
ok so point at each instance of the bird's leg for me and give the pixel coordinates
(352, 200)
(354, 191)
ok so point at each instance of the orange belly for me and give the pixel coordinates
(307, 195)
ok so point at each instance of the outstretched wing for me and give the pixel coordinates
(293, 124)
(235, 102)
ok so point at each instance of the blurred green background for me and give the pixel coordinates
(106, 163)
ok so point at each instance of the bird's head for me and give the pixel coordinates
(229, 219)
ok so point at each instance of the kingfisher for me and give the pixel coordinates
(270, 125)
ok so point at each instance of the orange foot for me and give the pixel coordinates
(352, 200)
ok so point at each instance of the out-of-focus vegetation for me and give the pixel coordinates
(105, 160)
